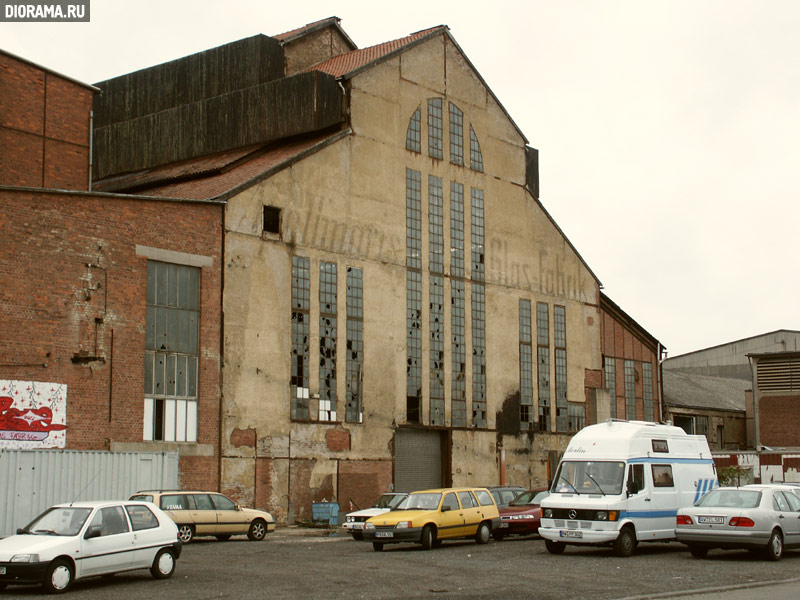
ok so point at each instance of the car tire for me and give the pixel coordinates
(59, 576)
(163, 564)
(257, 531)
(555, 547)
(774, 549)
(357, 535)
(484, 533)
(377, 546)
(625, 544)
(223, 538)
(428, 537)
(698, 551)
(185, 533)
(498, 535)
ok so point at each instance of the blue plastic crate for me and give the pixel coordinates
(325, 512)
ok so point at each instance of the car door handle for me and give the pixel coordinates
(780, 516)
(647, 499)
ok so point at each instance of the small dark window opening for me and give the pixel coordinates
(412, 409)
(272, 219)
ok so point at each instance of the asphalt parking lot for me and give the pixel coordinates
(294, 563)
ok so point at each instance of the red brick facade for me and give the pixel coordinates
(44, 127)
(778, 418)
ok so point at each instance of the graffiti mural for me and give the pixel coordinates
(33, 414)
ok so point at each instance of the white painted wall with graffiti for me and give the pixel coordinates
(33, 414)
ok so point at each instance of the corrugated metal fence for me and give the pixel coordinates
(32, 480)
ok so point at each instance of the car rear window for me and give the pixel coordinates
(141, 517)
(173, 502)
(733, 498)
(142, 497)
(484, 497)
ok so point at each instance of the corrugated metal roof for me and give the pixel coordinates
(690, 390)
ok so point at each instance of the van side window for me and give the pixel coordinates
(660, 446)
(635, 478)
(662, 476)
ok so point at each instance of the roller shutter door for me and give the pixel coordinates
(417, 460)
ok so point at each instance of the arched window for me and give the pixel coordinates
(475, 156)
(414, 134)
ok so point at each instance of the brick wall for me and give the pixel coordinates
(362, 481)
(44, 128)
(72, 309)
(777, 420)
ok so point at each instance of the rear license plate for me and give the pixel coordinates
(571, 534)
(2, 570)
(711, 520)
(502, 525)
(384, 534)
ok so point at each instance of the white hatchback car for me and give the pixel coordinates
(84, 539)
(354, 521)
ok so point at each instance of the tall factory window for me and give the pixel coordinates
(647, 391)
(172, 351)
(435, 128)
(560, 330)
(525, 367)
(301, 292)
(414, 133)
(327, 341)
(630, 390)
(475, 156)
(435, 225)
(354, 411)
(576, 416)
(478, 355)
(477, 235)
(413, 219)
(458, 351)
(437, 329)
(413, 295)
(456, 229)
(610, 366)
(172, 325)
(543, 363)
(456, 135)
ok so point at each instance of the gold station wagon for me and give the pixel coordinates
(430, 516)
(208, 513)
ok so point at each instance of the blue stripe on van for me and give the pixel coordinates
(703, 486)
(670, 460)
(647, 514)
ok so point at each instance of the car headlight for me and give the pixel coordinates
(403, 525)
(25, 558)
(548, 513)
(350, 519)
(369, 525)
(601, 515)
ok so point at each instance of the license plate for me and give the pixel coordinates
(711, 520)
(502, 525)
(571, 534)
(358, 526)
(384, 534)
(2, 570)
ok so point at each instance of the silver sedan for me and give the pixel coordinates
(759, 518)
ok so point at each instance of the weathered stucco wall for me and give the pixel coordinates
(346, 204)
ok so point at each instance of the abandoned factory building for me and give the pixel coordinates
(398, 308)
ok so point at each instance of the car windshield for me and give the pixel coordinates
(388, 501)
(589, 477)
(730, 498)
(426, 501)
(59, 520)
(529, 498)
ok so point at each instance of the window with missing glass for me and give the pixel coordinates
(271, 219)
(414, 133)
(478, 257)
(525, 367)
(576, 417)
(172, 352)
(414, 345)
(301, 304)
(327, 341)
(475, 156)
(478, 355)
(354, 409)
(456, 229)
(543, 363)
(435, 128)
(458, 353)
(610, 368)
(437, 349)
(560, 338)
(456, 135)
(630, 390)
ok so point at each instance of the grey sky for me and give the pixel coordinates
(668, 131)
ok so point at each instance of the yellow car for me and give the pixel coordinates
(430, 516)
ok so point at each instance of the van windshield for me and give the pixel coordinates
(589, 477)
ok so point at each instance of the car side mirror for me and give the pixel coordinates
(238, 507)
(445, 508)
(92, 532)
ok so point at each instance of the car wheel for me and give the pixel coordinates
(223, 538)
(377, 546)
(357, 535)
(163, 564)
(483, 534)
(625, 544)
(428, 538)
(258, 529)
(555, 547)
(498, 535)
(774, 549)
(698, 551)
(185, 533)
(58, 577)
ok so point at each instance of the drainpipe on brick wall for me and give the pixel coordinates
(91, 146)
(756, 435)
(661, 358)
(220, 424)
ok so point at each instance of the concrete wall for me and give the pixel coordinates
(346, 204)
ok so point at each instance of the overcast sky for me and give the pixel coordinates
(668, 132)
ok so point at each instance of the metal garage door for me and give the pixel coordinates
(417, 460)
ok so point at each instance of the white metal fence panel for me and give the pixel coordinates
(32, 480)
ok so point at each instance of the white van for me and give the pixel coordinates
(622, 482)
